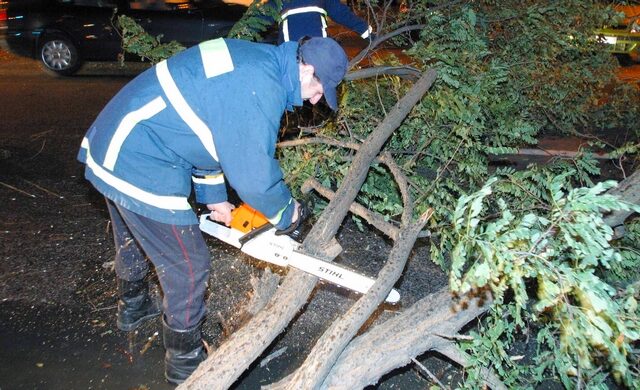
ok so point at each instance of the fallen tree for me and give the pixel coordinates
(499, 84)
(431, 324)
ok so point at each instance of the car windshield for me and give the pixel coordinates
(91, 3)
(158, 5)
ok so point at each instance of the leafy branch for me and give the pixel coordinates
(559, 254)
(137, 41)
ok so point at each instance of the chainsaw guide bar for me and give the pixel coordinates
(283, 251)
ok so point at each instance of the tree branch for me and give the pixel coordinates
(406, 72)
(395, 342)
(318, 140)
(372, 218)
(332, 217)
(403, 186)
(355, 60)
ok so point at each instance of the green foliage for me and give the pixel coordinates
(507, 72)
(488, 347)
(558, 253)
(137, 41)
(627, 270)
(256, 20)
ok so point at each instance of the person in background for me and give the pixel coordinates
(203, 119)
(301, 18)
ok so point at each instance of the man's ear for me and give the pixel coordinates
(306, 72)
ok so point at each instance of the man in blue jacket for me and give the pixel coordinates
(205, 117)
(301, 18)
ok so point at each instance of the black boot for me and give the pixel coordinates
(135, 305)
(185, 351)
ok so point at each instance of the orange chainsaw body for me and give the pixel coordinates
(245, 218)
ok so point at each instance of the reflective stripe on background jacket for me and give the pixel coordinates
(308, 18)
(213, 108)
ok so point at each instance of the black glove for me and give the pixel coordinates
(294, 230)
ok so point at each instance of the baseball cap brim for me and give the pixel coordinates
(330, 95)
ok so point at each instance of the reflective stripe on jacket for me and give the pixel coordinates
(205, 117)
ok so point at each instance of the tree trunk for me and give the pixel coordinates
(430, 324)
(226, 364)
(627, 190)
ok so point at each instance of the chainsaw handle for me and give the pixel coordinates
(253, 233)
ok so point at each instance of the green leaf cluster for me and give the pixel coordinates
(136, 40)
(508, 72)
(258, 18)
(625, 271)
(542, 268)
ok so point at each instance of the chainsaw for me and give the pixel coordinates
(253, 234)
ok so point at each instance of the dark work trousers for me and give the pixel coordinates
(179, 254)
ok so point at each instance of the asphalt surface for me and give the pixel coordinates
(56, 298)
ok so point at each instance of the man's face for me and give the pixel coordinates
(310, 86)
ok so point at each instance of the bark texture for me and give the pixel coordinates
(430, 324)
(628, 190)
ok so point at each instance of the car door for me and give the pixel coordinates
(91, 24)
(181, 22)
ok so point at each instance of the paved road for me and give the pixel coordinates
(33, 101)
(53, 240)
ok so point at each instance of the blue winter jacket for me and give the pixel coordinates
(309, 18)
(206, 115)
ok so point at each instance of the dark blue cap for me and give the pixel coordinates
(329, 62)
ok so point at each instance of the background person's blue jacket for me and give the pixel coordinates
(204, 115)
(309, 18)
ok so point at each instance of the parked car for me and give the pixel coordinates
(623, 39)
(62, 34)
